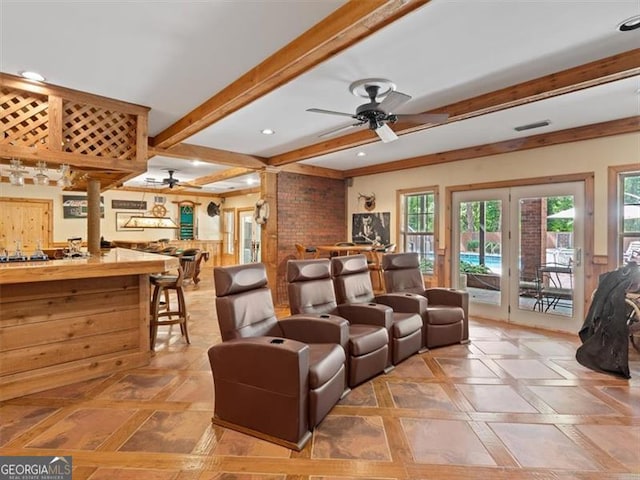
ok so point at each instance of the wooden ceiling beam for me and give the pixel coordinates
(222, 176)
(346, 26)
(188, 151)
(587, 132)
(616, 67)
(312, 170)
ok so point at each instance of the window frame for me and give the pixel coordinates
(402, 220)
(615, 204)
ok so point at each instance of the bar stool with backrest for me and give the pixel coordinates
(353, 286)
(311, 292)
(162, 284)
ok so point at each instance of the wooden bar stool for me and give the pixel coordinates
(164, 283)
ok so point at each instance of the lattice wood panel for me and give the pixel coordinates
(99, 132)
(24, 118)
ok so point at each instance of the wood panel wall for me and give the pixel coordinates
(26, 220)
(59, 332)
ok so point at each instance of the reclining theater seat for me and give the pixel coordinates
(353, 286)
(273, 379)
(446, 318)
(311, 292)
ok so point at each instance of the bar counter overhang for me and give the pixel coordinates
(65, 321)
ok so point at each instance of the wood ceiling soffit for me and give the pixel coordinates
(209, 155)
(312, 170)
(166, 191)
(240, 192)
(343, 28)
(587, 132)
(616, 67)
(74, 159)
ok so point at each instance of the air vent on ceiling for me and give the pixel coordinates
(543, 123)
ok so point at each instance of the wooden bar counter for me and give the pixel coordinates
(64, 321)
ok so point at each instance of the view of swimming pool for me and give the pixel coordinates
(492, 261)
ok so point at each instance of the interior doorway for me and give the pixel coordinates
(249, 238)
(518, 251)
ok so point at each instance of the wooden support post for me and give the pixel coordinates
(269, 230)
(93, 216)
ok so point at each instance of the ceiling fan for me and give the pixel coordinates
(377, 115)
(171, 181)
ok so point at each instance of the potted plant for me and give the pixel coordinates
(480, 276)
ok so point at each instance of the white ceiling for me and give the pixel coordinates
(174, 55)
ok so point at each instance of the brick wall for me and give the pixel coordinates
(532, 236)
(311, 211)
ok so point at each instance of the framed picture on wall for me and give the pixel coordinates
(371, 228)
(122, 218)
(75, 206)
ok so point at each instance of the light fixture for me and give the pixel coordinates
(65, 176)
(361, 154)
(143, 221)
(267, 131)
(32, 76)
(41, 178)
(629, 24)
(529, 126)
(195, 163)
(251, 181)
(16, 173)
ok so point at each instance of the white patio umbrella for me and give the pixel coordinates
(568, 213)
(630, 211)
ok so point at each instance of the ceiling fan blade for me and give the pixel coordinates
(330, 112)
(392, 101)
(340, 129)
(189, 185)
(424, 118)
(386, 134)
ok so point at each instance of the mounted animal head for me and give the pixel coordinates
(213, 209)
(369, 201)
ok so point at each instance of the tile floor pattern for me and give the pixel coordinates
(513, 404)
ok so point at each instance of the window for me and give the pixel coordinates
(418, 226)
(629, 218)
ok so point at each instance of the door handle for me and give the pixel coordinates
(578, 257)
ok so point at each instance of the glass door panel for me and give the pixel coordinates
(549, 260)
(249, 232)
(478, 259)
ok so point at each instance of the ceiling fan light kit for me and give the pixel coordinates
(377, 114)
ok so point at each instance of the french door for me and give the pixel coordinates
(518, 252)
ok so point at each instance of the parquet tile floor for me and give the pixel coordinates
(513, 404)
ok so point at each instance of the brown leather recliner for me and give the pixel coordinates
(353, 286)
(274, 379)
(311, 292)
(446, 318)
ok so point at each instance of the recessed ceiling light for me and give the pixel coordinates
(251, 181)
(32, 76)
(267, 131)
(630, 24)
(361, 154)
(195, 163)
